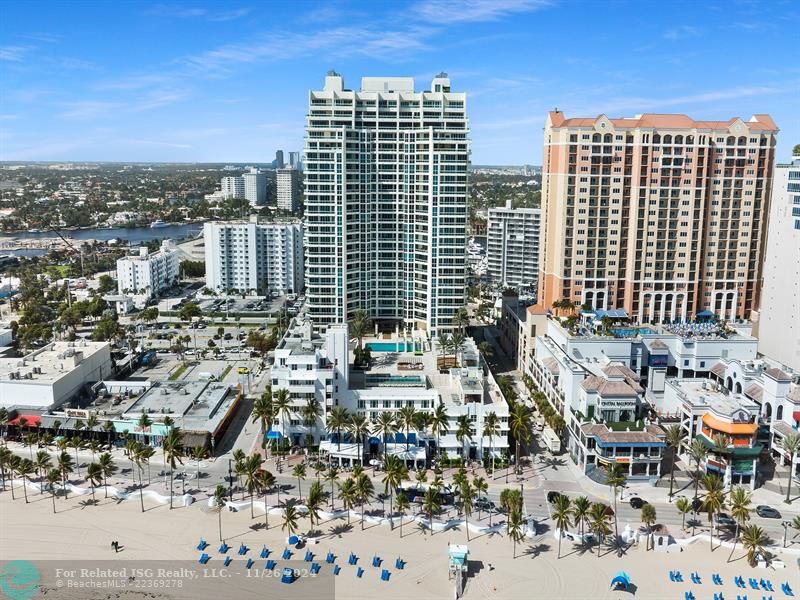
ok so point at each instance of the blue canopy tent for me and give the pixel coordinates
(704, 314)
(273, 435)
(621, 581)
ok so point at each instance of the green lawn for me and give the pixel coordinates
(177, 372)
(225, 372)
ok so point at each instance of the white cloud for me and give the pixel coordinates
(14, 53)
(192, 12)
(682, 32)
(464, 11)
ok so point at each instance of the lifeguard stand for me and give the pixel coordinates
(458, 566)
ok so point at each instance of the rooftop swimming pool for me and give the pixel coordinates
(392, 346)
(631, 331)
(379, 379)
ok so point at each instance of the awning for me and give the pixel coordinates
(736, 453)
(30, 420)
(728, 427)
(796, 415)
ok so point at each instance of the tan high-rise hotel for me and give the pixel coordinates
(660, 215)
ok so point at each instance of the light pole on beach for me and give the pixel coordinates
(785, 528)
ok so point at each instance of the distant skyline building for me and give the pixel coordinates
(254, 257)
(232, 187)
(144, 276)
(295, 160)
(288, 189)
(779, 318)
(512, 245)
(385, 202)
(279, 164)
(255, 187)
(660, 215)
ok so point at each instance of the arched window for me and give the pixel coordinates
(596, 137)
(656, 139)
(678, 139)
(768, 411)
(742, 141)
(738, 388)
(667, 139)
(731, 140)
(779, 413)
(607, 139)
(729, 383)
(690, 139)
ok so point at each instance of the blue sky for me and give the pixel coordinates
(214, 81)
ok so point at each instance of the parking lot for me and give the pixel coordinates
(250, 304)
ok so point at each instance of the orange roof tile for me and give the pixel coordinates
(663, 121)
(727, 427)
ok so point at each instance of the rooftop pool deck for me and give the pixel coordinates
(394, 346)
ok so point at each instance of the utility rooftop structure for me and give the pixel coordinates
(386, 193)
(50, 376)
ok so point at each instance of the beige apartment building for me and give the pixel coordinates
(660, 215)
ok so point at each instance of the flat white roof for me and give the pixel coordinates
(49, 363)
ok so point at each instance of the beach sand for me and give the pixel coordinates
(81, 534)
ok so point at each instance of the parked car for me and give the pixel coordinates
(724, 520)
(637, 502)
(228, 336)
(483, 503)
(697, 505)
(767, 512)
(552, 495)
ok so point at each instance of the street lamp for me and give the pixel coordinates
(230, 480)
(785, 528)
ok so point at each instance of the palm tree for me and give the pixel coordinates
(431, 504)
(439, 423)
(615, 478)
(385, 426)
(359, 326)
(310, 412)
(754, 539)
(444, 343)
(198, 453)
(91, 422)
(405, 419)
(42, 464)
(76, 444)
(648, 518)
(331, 476)
(364, 492)
(697, 452)
(220, 493)
(299, 471)
(94, 475)
(561, 515)
(282, 406)
(263, 413)
(463, 431)
(520, 426)
(790, 444)
(457, 341)
(140, 457)
(401, 504)
(739, 499)
(251, 469)
(481, 487)
(171, 447)
(289, 519)
(684, 506)
(598, 522)
(674, 439)
(461, 318)
(514, 526)
(108, 427)
(265, 482)
(29, 439)
(491, 429)
(25, 469)
(511, 499)
(467, 493)
(358, 428)
(314, 501)
(395, 472)
(714, 499)
(338, 419)
(144, 424)
(580, 512)
(348, 495)
(13, 464)
(65, 466)
(486, 349)
(53, 477)
(108, 467)
(5, 457)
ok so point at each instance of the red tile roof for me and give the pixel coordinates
(663, 121)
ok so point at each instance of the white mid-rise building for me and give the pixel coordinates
(255, 187)
(385, 178)
(288, 189)
(512, 246)
(232, 187)
(254, 257)
(145, 276)
(315, 369)
(779, 320)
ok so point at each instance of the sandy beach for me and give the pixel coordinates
(82, 533)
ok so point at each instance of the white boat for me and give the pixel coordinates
(158, 224)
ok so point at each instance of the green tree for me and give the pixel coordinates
(282, 406)
(348, 495)
(739, 499)
(520, 426)
(754, 539)
(561, 514)
(598, 522)
(648, 518)
(405, 420)
(384, 426)
(338, 419)
(266, 481)
(364, 492)
(674, 439)
(219, 502)
(395, 472)
(106, 284)
(790, 444)
(515, 531)
(358, 428)
(331, 476)
(53, 477)
(299, 472)
(466, 500)
(401, 504)
(714, 499)
(94, 475)
(25, 468)
(684, 506)
(173, 452)
(615, 479)
(439, 423)
(431, 504)
(108, 467)
(697, 452)
(263, 413)
(289, 519)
